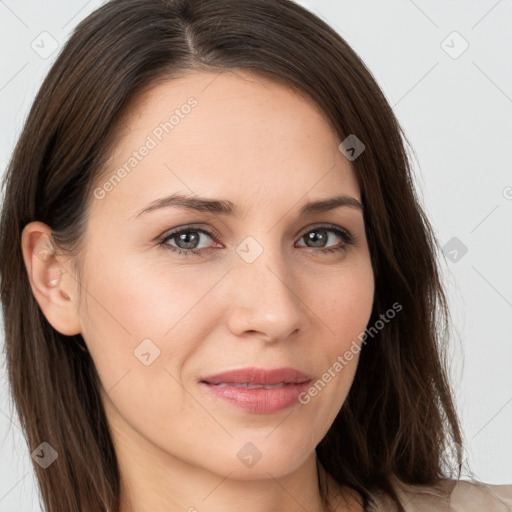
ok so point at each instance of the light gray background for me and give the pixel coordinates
(457, 113)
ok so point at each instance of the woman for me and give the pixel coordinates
(218, 286)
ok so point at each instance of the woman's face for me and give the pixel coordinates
(261, 287)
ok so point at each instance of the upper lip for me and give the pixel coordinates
(266, 377)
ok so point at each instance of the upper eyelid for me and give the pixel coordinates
(174, 232)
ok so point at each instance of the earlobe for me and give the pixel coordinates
(51, 284)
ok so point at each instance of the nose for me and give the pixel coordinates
(264, 299)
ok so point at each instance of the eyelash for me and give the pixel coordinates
(347, 237)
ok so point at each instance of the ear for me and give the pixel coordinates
(53, 286)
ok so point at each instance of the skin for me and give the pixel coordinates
(269, 150)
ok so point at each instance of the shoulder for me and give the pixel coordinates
(466, 496)
(449, 495)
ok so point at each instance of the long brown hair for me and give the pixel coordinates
(399, 417)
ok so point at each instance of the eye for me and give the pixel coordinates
(319, 236)
(188, 240)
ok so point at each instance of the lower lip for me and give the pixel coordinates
(259, 400)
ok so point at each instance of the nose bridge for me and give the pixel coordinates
(264, 298)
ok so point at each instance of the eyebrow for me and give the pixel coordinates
(225, 207)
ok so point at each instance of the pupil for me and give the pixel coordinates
(315, 238)
(184, 237)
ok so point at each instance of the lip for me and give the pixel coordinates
(230, 387)
(258, 376)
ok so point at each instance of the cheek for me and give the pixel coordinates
(134, 312)
(137, 299)
(344, 305)
(344, 302)
(140, 326)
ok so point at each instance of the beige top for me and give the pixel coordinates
(450, 496)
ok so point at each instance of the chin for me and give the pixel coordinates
(256, 459)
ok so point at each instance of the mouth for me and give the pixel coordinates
(258, 390)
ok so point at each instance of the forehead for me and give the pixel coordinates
(231, 134)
